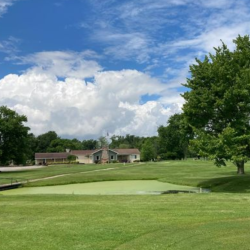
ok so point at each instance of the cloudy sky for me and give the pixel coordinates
(85, 67)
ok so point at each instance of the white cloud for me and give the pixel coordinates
(9, 46)
(147, 30)
(4, 5)
(78, 108)
(148, 117)
(62, 63)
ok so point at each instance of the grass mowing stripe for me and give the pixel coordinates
(210, 221)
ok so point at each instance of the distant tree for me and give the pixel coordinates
(124, 145)
(128, 141)
(44, 140)
(148, 151)
(13, 136)
(75, 144)
(102, 142)
(218, 104)
(89, 144)
(31, 147)
(174, 138)
(60, 145)
(117, 140)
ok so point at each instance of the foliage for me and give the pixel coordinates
(102, 142)
(217, 105)
(227, 146)
(173, 139)
(44, 140)
(13, 136)
(31, 148)
(149, 150)
(128, 141)
(71, 158)
(60, 145)
(124, 145)
(89, 144)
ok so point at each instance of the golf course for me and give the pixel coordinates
(117, 206)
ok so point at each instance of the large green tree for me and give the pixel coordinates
(13, 136)
(218, 104)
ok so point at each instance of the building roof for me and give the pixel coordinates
(119, 151)
(126, 151)
(51, 155)
(82, 152)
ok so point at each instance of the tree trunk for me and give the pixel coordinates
(240, 167)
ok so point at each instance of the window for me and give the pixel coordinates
(135, 156)
(112, 157)
(97, 157)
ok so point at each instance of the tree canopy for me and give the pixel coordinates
(218, 104)
(128, 141)
(173, 139)
(44, 140)
(13, 136)
(89, 144)
(149, 149)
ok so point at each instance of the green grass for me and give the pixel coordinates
(174, 222)
(49, 171)
(216, 221)
(190, 173)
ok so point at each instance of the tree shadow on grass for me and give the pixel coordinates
(229, 184)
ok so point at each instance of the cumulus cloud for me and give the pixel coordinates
(78, 107)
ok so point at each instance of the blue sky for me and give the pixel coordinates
(83, 67)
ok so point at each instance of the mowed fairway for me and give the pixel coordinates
(218, 220)
(190, 221)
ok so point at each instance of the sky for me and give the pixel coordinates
(83, 68)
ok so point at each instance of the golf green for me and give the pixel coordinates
(104, 188)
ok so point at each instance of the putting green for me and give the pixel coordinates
(103, 188)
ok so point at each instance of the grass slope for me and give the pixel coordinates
(191, 173)
(178, 222)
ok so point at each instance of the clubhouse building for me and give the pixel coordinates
(103, 155)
